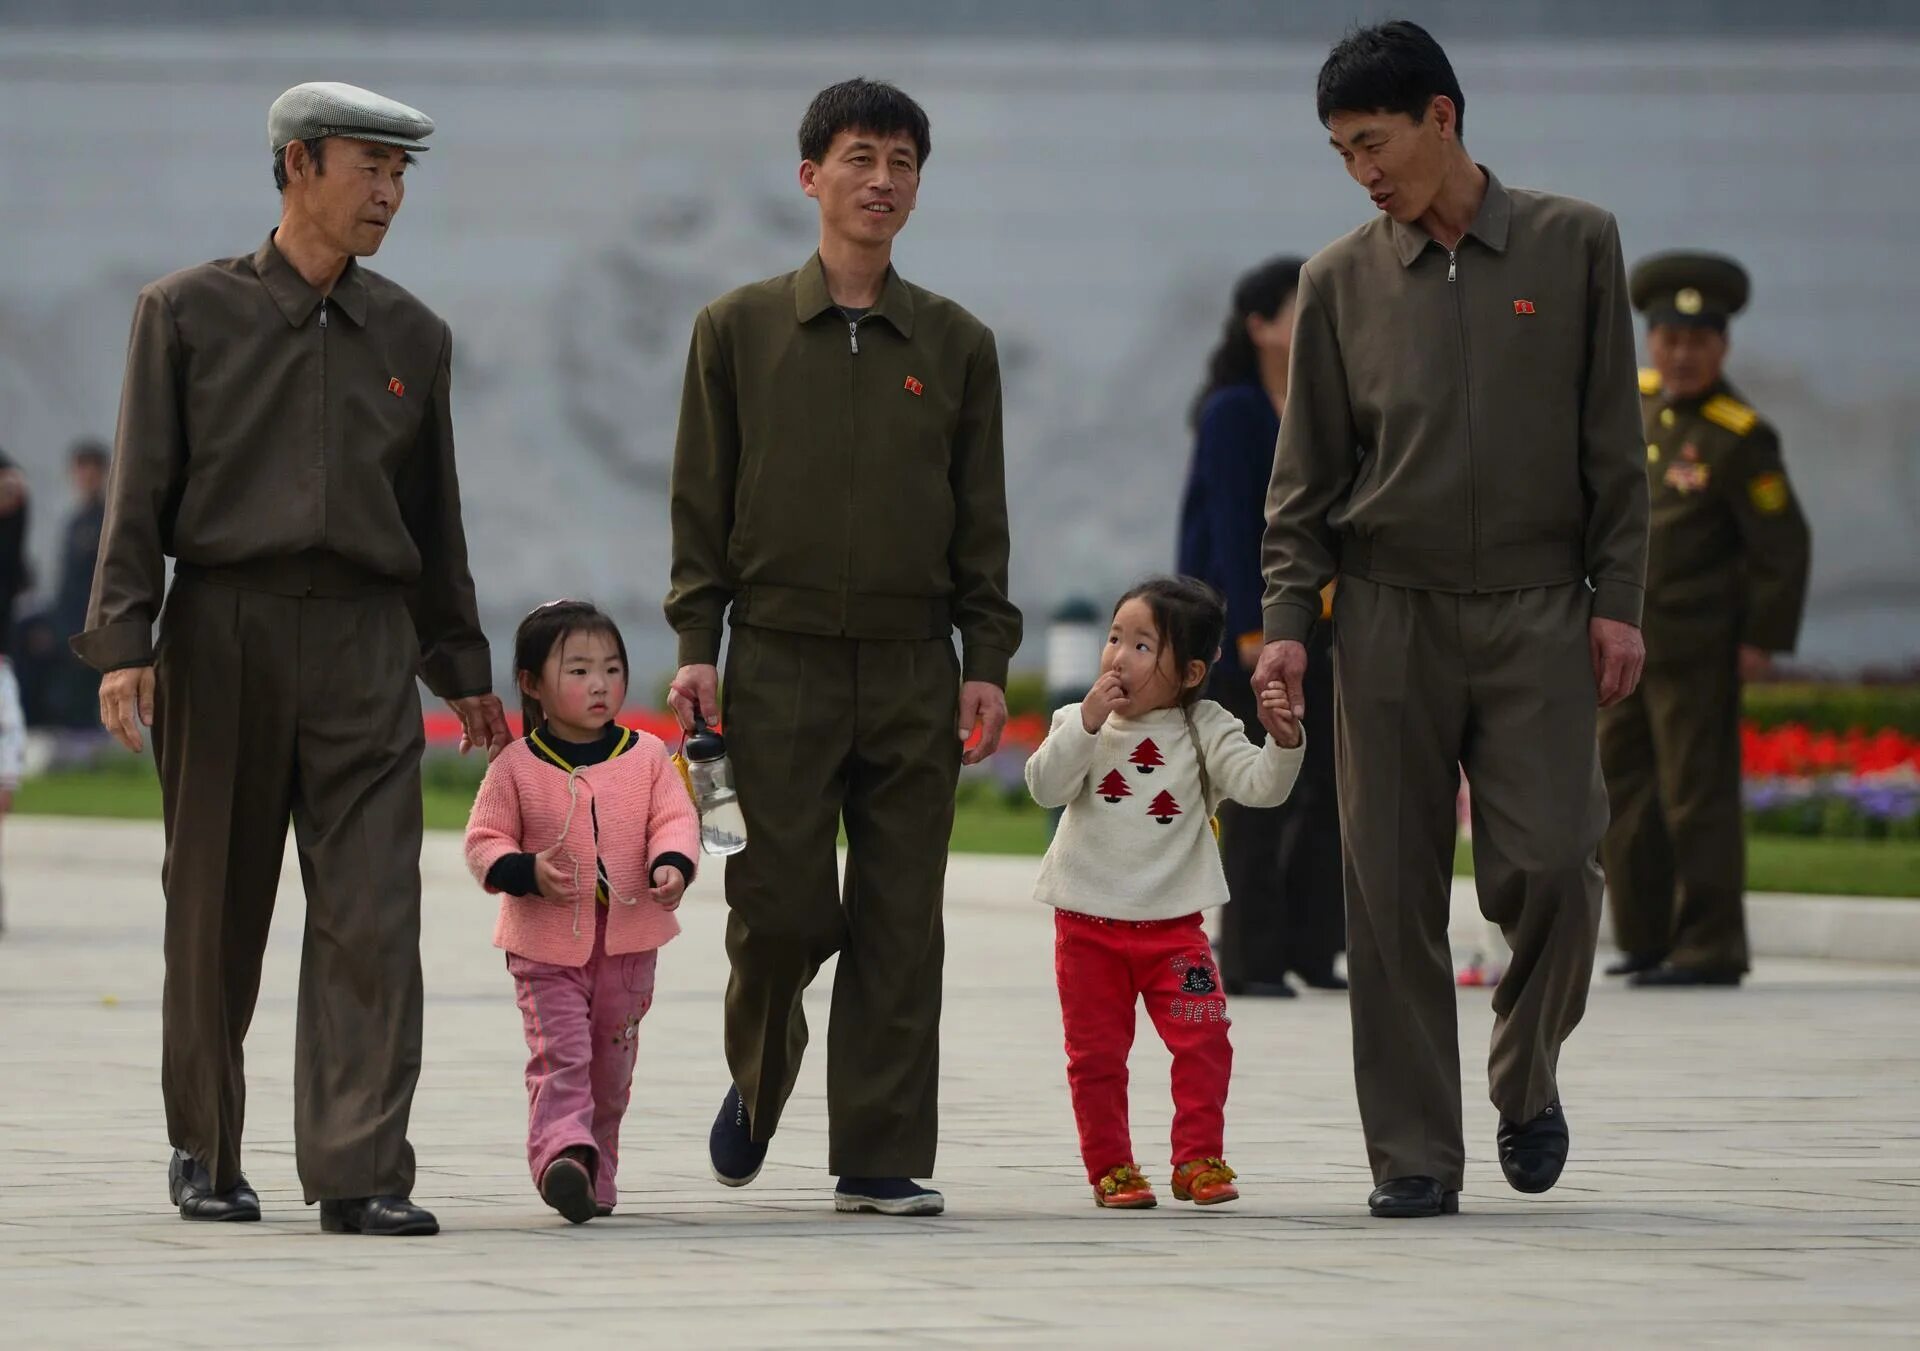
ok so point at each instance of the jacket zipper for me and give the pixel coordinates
(322, 494)
(1466, 384)
(846, 561)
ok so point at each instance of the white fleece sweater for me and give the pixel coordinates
(1134, 843)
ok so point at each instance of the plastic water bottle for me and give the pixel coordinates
(723, 827)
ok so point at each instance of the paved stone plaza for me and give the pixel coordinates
(1746, 1166)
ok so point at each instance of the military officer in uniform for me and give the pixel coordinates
(285, 435)
(1726, 584)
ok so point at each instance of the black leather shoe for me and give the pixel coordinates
(1532, 1155)
(1633, 963)
(1676, 976)
(192, 1190)
(567, 1185)
(386, 1216)
(1322, 980)
(736, 1156)
(1412, 1198)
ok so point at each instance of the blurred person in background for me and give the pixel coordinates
(1726, 587)
(80, 544)
(13, 752)
(14, 572)
(1282, 863)
(13, 580)
(66, 691)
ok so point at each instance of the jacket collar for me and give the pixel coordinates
(810, 298)
(1489, 226)
(296, 299)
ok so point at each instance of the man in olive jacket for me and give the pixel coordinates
(838, 487)
(1462, 447)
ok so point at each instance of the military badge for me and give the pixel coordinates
(1768, 492)
(1686, 476)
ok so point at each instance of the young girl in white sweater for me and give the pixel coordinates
(1140, 765)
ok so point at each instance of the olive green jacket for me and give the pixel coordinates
(1730, 550)
(842, 479)
(1462, 421)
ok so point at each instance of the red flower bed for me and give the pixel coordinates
(1792, 751)
(1024, 731)
(443, 728)
(1787, 752)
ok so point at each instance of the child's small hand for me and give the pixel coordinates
(1277, 716)
(668, 887)
(554, 877)
(1108, 696)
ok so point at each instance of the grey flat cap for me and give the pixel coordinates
(326, 108)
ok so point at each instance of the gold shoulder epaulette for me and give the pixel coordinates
(1649, 380)
(1730, 413)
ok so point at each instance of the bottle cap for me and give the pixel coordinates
(703, 743)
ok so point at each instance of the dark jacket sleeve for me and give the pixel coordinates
(706, 464)
(454, 659)
(143, 490)
(514, 874)
(1613, 462)
(671, 859)
(1313, 472)
(988, 622)
(1778, 545)
(1234, 462)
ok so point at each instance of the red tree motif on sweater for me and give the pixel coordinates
(1145, 756)
(1163, 808)
(1114, 786)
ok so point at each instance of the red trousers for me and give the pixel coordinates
(1105, 967)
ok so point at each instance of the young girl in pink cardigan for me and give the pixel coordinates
(585, 831)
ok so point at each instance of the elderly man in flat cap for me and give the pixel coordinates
(284, 435)
(1726, 584)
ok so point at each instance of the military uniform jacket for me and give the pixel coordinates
(841, 479)
(260, 421)
(1462, 422)
(1729, 551)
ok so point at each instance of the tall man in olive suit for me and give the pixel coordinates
(1461, 447)
(839, 504)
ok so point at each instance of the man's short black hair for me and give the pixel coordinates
(89, 452)
(1393, 67)
(862, 105)
(315, 152)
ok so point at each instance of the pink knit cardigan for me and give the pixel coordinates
(524, 805)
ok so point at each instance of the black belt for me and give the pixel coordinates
(315, 573)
